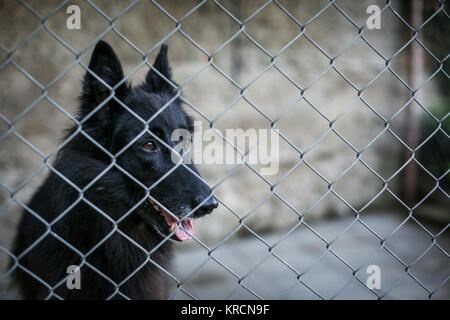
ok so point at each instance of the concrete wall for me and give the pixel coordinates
(144, 25)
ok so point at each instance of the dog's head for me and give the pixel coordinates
(136, 126)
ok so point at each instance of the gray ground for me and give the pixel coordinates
(301, 250)
(323, 274)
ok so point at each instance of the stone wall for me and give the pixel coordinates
(300, 121)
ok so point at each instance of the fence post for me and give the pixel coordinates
(413, 114)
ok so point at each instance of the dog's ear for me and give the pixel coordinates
(108, 70)
(154, 82)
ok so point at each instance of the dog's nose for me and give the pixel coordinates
(207, 207)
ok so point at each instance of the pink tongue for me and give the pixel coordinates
(185, 224)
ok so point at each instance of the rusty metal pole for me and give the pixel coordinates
(413, 113)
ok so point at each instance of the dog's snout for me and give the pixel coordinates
(207, 207)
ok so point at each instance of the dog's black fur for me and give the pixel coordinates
(43, 251)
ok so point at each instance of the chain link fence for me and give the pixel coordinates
(412, 148)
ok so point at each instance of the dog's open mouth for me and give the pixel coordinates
(182, 232)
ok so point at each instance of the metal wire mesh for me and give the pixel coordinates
(354, 270)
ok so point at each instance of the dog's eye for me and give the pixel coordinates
(187, 142)
(150, 145)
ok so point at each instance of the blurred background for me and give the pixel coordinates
(349, 192)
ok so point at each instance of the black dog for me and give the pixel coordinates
(105, 174)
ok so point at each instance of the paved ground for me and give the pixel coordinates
(326, 275)
(322, 272)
